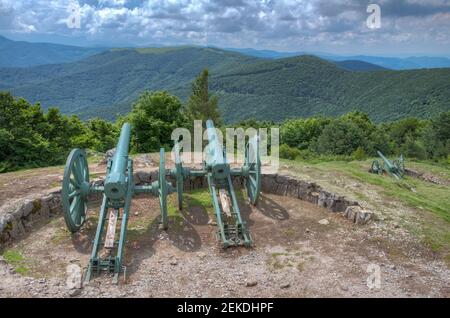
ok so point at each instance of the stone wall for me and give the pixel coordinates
(19, 216)
(311, 192)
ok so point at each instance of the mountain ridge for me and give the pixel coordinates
(107, 83)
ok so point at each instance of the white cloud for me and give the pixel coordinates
(277, 24)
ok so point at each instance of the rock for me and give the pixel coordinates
(343, 287)
(136, 213)
(358, 215)
(109, 154)
(74, 292)
(201, 255)
(363, 217)
(173, 262)
(251, 283)
(285, 285)
(307, 230)
(212, 222)
(324, 222)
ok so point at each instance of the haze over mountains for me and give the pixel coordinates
(24, 54)
(394, 63)
(107, 83)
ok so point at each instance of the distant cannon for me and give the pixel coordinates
(394, 168)
(117, 191)
(232, 230)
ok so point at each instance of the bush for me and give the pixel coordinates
(289, 153)
(301, 133)
(154, 116)
(340, 137)
(359, 154)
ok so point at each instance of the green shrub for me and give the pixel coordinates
(289, 153)
(359, 154)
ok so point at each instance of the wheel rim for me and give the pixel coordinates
(75, 189)
(163, 189)
(253, 163)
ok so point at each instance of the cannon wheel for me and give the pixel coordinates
(75, 188)
(253, 180)
(376, 167)
(400, 165)
(163, 190)
(179, 176)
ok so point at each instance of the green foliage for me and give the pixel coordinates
(289, 153)
(154, 117)
(31, 138)
(301, 133)
(359, 154)
(340, 137)
(101, 135)
(201, 105)
(436, 137)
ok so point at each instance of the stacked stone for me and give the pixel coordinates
(19, 216)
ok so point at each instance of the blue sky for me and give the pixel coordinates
(408, 27)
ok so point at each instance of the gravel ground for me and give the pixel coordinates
(300, 251)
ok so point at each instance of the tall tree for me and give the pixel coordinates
(201, 105)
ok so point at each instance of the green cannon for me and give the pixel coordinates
(394, 168)
(232, 230)
(117, 190)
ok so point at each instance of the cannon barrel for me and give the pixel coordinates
(116, 183)
(386, 160)
(215, 160)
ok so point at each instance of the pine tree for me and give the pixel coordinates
(202, 106)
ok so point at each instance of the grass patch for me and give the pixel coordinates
(426, 197)
(61, 235)
(15, 258)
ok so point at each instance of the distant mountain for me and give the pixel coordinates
(107, 83)
(359, 66)
(25, 54)
(266, 54)
(408, 63)
(351, 65)
(393, 63)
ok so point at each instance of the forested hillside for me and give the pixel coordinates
(106, 84)
(307, 86)
(25, 54)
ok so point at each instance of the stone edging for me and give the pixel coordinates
(20, 216)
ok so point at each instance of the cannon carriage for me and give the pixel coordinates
(117, 192)
(395, 169)
(232, 229)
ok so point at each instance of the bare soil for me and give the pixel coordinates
(295, 254)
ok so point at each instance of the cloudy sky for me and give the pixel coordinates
(408, 27)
